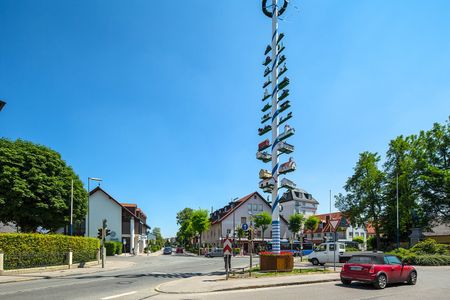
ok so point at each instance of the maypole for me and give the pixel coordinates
(274, 69)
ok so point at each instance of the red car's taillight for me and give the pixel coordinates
(372, 269)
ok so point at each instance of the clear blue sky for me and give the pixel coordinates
(161, 99)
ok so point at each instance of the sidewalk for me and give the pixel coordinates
(217, 283)
(48, 274)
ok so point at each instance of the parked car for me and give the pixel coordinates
(326, 253)
(179, 250)
(216, 252)
(379, 269)
(167, 250)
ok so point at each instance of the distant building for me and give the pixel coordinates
(225, 220)
(298, 201)
(440, 233)
(8, 227)
(345, 231)
(126, 221)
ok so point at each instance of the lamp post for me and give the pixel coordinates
(71, 209)
(234, 223)
(89, 210)
(2, 104)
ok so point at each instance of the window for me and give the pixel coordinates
(260, 207)
(243, 220)
(361, 260)
(255, 207)
(249, 207)
(228, 231)
(331, 247)
(321, 247)
(392, 260)
(297, 203)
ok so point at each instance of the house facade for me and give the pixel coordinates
(344, 232)
(227, 219)
(298, 201)
(126, 221)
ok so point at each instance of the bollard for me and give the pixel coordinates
(1, 263)
(69, 258)
(98, 256)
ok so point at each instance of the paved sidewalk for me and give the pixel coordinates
(110, 265)
(207, 284)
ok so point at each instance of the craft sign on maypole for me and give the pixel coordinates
(275, 67)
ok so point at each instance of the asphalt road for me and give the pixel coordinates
(433, 283)
(133, 283)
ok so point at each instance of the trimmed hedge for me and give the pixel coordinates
(425, 253)
(27, 250)
(113, 247)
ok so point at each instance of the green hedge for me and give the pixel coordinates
(113, 247)
(25, 250)
(425, 253)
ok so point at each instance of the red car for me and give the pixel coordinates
(378, 269)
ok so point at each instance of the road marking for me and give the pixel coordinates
(120, 295)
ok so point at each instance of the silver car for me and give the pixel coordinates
(217, 252)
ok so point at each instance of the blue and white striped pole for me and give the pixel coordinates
(275, 199)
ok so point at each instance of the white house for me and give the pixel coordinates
(126, 221)
(298, 201)
(225, 220)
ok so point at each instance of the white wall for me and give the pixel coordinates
(307, 209)
(101, 207)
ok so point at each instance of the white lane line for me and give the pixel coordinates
(120, 295)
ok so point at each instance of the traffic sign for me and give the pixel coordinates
(245, 226)
(227, 248)
(334, 224)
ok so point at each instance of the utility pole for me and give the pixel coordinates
(398, 223)
(71, 209)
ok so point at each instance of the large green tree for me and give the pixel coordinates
(200, 223)
(263, 220)
(311, 224)
(185, 231)
(35, 186)
(295, 224)
(432, 154)
(364, 201)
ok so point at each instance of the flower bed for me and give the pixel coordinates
(269, 261)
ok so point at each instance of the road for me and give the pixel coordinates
(138, 282)
(433, 283)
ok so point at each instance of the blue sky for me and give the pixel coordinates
(161, 99)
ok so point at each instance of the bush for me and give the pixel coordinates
(358, 239)
(236, 251)
(351, 249)
(429, 246)
(119, 248)
(110, 248)
(371, 243)
(27, 250)
(413, 258)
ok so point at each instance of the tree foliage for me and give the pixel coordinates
(312, 223)
(295, 223)
(263, 220)
(185, 232)
(35, 186)
(363, 202)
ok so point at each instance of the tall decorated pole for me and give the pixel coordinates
(269, 180)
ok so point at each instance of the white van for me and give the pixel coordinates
(325, 253)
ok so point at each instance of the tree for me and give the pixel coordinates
(263, 220)
(200, 223)
(363, 202)
(240, 234)
(35, 187)
(400, 164)
(159, 240)
(185, 232)
(432, 155)
(311, 224)
(295, 223)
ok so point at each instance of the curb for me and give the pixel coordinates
(259, 286)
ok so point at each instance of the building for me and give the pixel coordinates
(345, 231)
(225, 220)
(8, 227)
(440, 233)
(298, 201)
(127, 222)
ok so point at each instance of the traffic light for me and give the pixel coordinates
(99, 234)
(107, 232)
(250, 234)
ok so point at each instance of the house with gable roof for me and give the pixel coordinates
(225, 220)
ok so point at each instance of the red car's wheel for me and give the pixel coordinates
(412, 279)
(380, 282)
(346, 281)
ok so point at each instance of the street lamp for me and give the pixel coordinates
(234, 222)
(89, 211)
(2, 104)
